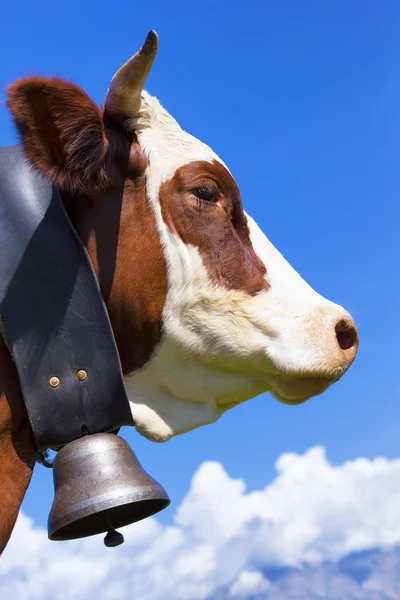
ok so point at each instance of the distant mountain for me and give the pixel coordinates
(368, 575)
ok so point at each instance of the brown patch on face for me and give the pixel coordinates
(17, 447)
(119, 230)
(202, 205)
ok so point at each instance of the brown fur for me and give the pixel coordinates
(218, 229)
(123, 244)
(17, 449)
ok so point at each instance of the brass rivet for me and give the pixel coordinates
(54, 382)
(81, 375)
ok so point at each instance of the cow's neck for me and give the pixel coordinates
(119, 231)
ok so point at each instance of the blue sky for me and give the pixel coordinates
(302, 101)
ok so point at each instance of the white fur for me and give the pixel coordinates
(222, 347)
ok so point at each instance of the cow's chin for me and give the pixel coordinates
(294, 390)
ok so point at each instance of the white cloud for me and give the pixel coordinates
(249, 583)
(223, 538)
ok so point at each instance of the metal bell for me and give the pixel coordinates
(99, 486)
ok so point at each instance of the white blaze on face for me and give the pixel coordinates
(219, 346)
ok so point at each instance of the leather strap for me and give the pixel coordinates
(53, 313)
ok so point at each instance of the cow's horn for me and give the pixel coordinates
(124, 94)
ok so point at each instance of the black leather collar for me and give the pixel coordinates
(55, 322)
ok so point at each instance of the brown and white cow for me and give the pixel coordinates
(205, 311)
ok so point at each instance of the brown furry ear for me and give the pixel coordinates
(62, 132)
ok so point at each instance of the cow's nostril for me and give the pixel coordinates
(346, 334)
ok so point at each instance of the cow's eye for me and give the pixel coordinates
(208, 193)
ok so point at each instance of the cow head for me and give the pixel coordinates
(206, 312)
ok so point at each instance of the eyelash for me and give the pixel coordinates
(205, 190)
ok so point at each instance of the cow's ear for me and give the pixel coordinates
(62, 132)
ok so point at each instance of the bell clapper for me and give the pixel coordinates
(113, 539)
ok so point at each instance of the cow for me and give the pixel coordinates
(206, 313)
